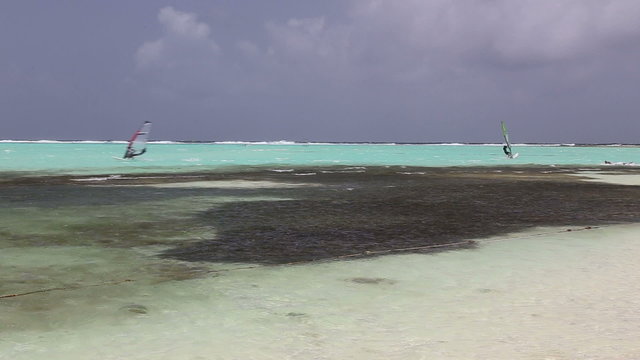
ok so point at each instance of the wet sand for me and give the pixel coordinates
(611, 177)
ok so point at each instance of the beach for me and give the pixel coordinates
(323, 262)
(323, 180)
(542, 294)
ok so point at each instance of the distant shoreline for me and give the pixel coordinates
(287, 142)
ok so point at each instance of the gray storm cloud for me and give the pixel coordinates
(451, 63)
(407, 36)
(182, 30)
(352, 70)
(540, 30)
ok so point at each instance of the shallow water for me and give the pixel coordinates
(274, 218)
(543, 294)
(92, 257)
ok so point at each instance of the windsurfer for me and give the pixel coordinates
(507, 151)
(130, 154)
(138, 143)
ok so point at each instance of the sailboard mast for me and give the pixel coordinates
(138, 143)
(507, 147)
(505, 134)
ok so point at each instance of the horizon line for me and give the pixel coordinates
(296, 142)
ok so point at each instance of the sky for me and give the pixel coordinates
(332, 70)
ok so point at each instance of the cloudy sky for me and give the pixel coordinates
(331, 70)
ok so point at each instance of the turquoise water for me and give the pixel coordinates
(82, 269)
(100, 158)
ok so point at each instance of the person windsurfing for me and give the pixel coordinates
(138, 143)
(507, 151)
(130, 153)
(507, 145)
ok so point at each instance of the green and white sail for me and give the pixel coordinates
(505, 134)
(507, 147)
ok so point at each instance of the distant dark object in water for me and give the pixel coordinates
(620, 163)
(365, 280)
(295, 314)
(135, 308)
(487, 290)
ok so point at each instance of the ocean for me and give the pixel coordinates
(101, 157)
(318, 251)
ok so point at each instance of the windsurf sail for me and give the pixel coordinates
(138, 143)
(507, 147)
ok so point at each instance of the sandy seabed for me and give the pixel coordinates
(543, 292)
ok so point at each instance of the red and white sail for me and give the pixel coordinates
(138, 143)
